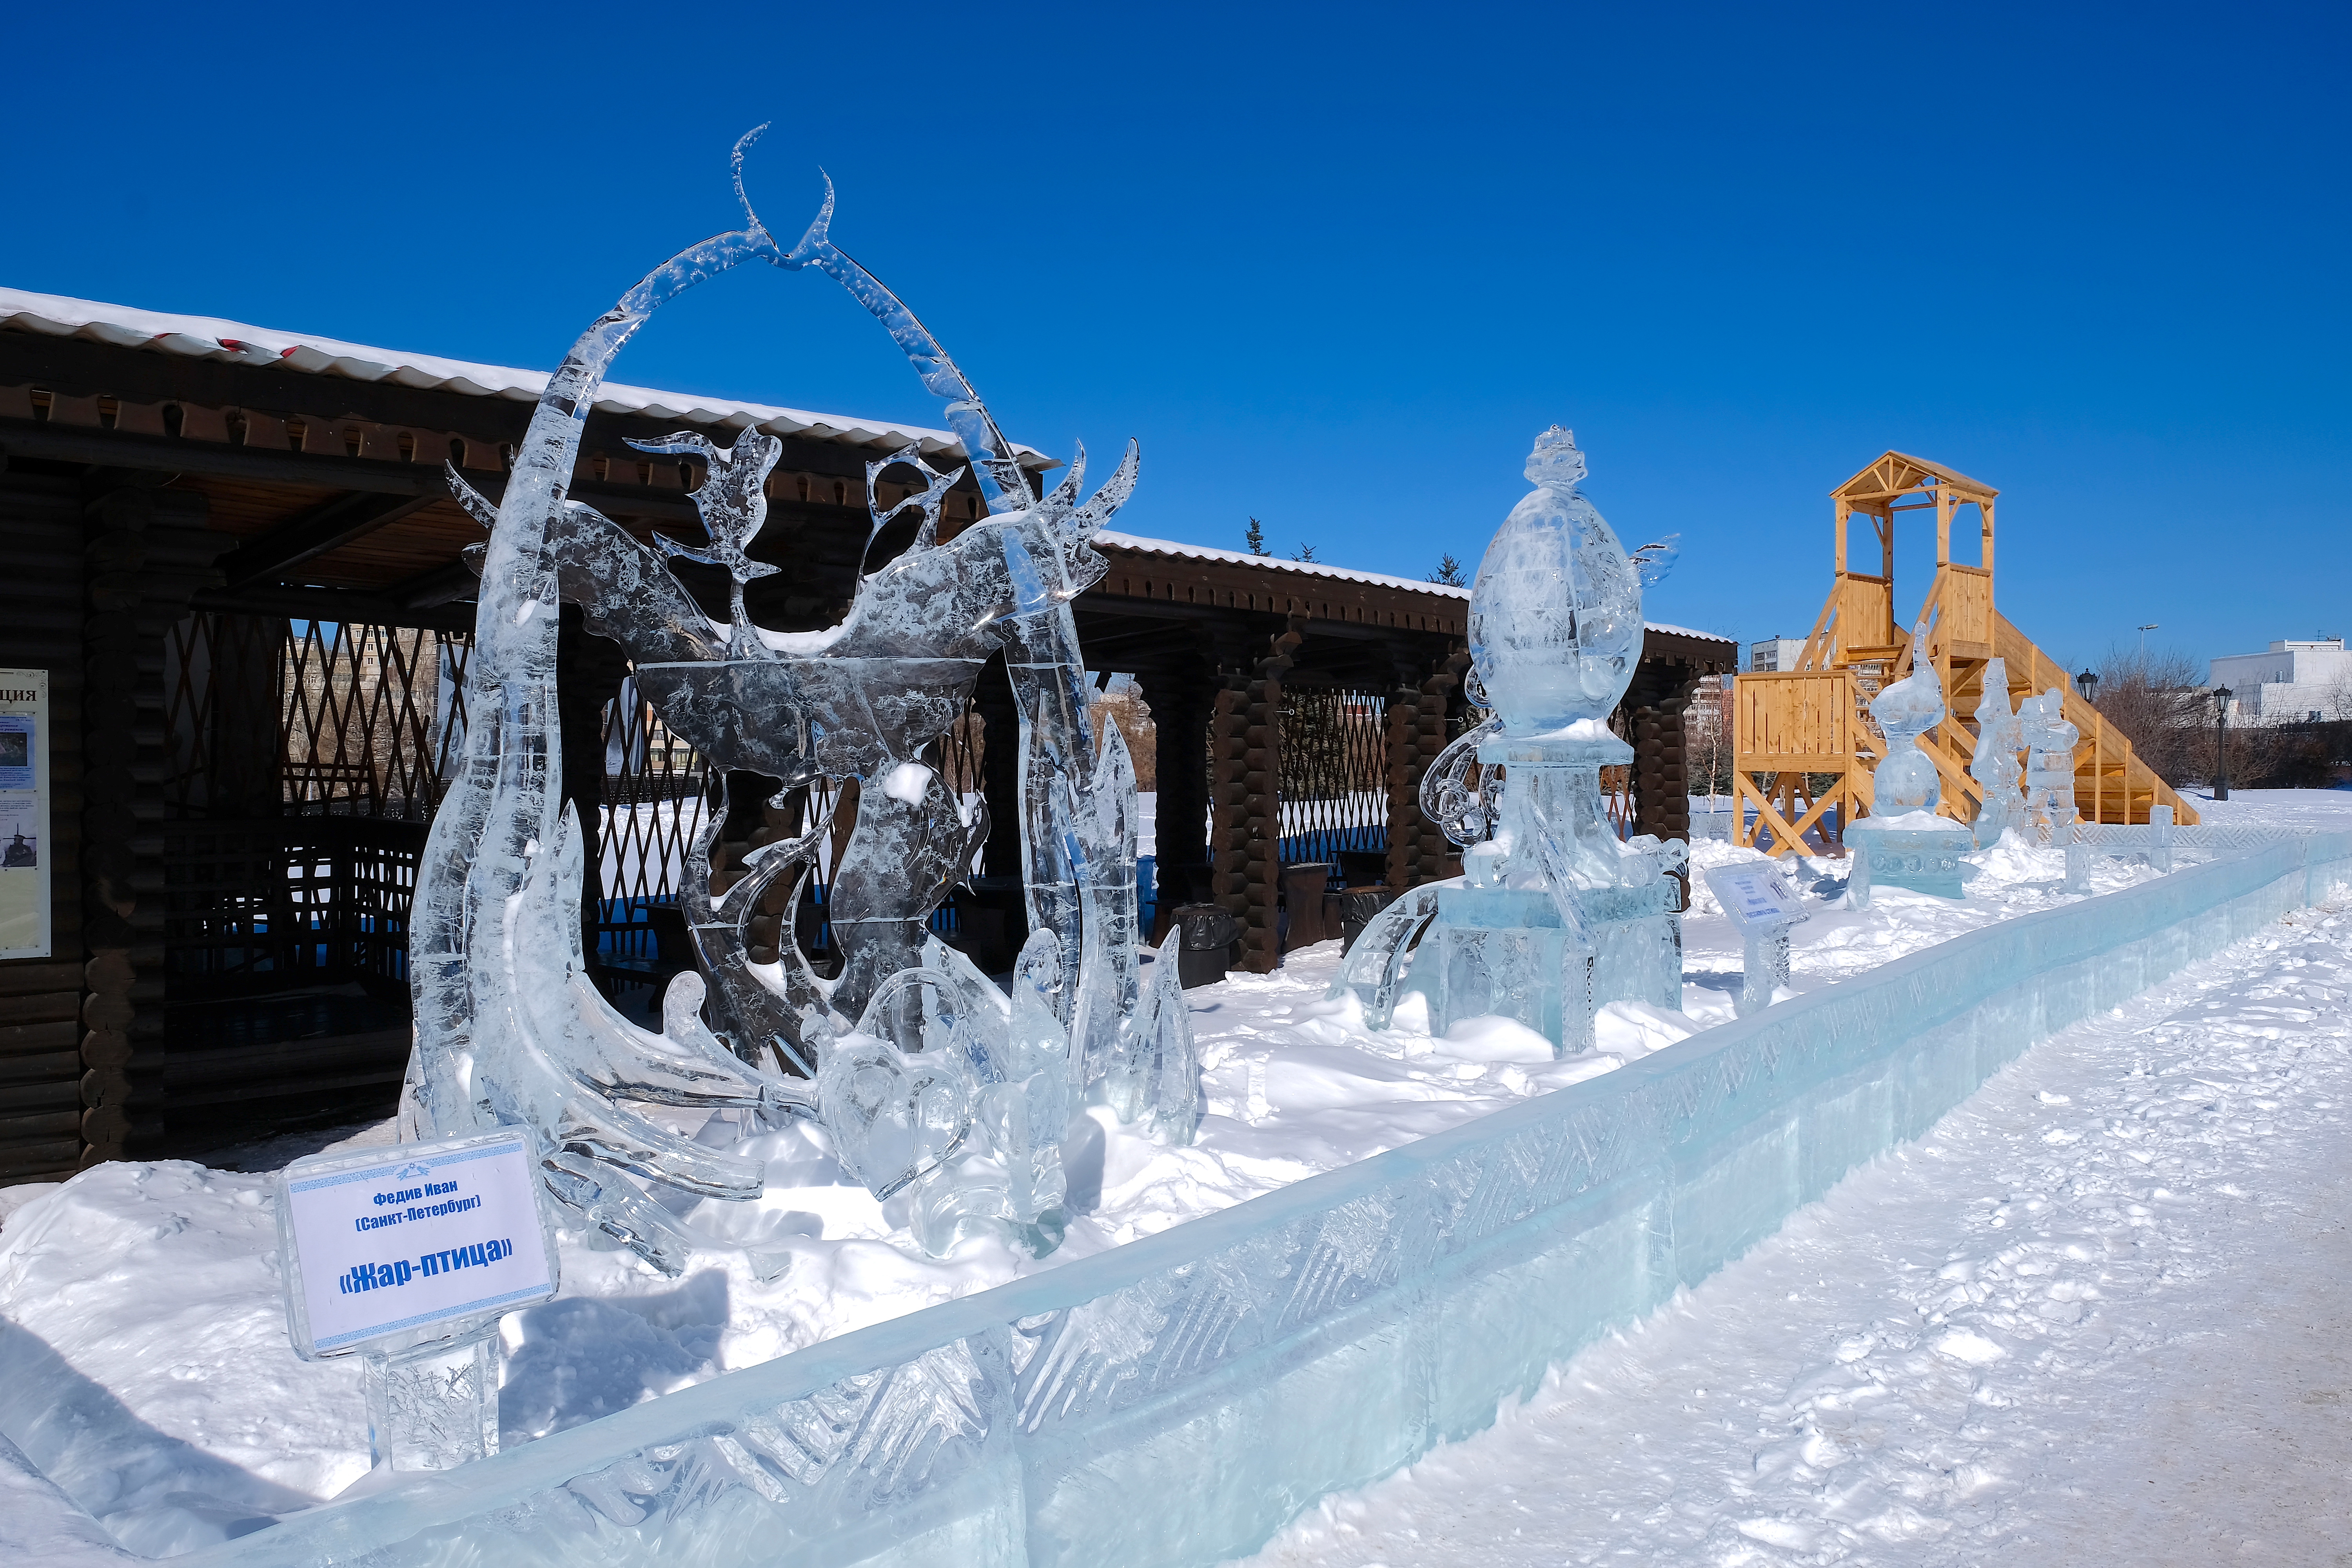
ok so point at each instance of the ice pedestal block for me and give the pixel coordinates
(436, 1407)
(1763, 970)
(1506, 953)
(1924, 859)
(1175, 1401)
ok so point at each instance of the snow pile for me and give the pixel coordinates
(145, 1304)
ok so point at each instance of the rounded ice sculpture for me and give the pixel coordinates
(1907, 780)
(1556, 612)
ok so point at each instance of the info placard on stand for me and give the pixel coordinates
(409, 1256)
(1761, 905)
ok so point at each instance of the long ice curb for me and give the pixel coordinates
(1179, 1399)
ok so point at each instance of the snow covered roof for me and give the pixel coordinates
(210, 337)
(1112, 539)
(1118, 541)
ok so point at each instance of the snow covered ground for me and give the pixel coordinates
(180, 1412)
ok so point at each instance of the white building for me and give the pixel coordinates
(2293, 680)
(1775, 654)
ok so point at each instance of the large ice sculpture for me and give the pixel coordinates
(1904, 843)
(938, 1086)
(1555, 915)
(1993, 764)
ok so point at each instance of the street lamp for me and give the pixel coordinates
(2087, 683)
(2221, 743)
(2143, 637)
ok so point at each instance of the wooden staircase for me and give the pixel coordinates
(2110, 782)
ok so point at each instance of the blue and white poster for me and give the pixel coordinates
(25, 916)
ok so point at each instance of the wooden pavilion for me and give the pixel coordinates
(234, 551)
(1809, 728)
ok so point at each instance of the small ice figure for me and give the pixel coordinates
(1906, 782)
(2049, 766)
(1994, 765)
(1904, 843)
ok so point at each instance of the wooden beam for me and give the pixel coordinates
(170, 454)
(334, 605)
(441, 585)
(328, 526)
(212, 460)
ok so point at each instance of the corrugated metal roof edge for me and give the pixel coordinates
(209, 337)
(1118, 540)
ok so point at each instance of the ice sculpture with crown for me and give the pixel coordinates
(1554, 915)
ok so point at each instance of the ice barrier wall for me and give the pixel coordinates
(1177, 1400)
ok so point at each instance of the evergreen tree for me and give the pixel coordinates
(1449, 571)
(1256, 539)
(1304, 553)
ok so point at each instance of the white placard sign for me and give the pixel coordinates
(391, 1247)
(1755, 896)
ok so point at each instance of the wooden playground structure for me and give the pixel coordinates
(1809, 728)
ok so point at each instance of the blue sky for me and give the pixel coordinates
(1335, 267)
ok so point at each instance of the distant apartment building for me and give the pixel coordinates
(1774, 654)
(2293, 681)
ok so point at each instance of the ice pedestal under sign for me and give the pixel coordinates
(1555, 916)
(1760, 904)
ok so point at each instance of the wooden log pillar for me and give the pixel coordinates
(1656, 706)
(1180, 695)
(145, 553)
(1405, 765)
(1000, 768)
(1229, 799)
(1418, 730)
(241, 754)
(1657, 703)
(41, 1032)
(1245, 772)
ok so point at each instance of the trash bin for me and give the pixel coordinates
(1302, 902)
(1206, 946)
(1358, 908)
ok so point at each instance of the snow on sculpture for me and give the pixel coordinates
(1555, 915)
(924, 1074)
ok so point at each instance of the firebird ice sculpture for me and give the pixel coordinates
(925, 1075)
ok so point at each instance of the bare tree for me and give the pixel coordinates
(1707, 737)
(1122, 704)
(2156, 699)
